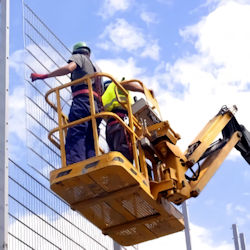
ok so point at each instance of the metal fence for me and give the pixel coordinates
(38, 219)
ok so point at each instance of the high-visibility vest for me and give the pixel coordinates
(109, 99)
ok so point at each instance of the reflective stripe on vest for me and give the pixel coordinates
(109, 99)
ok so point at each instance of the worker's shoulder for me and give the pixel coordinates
(79, 57)
(81, 60)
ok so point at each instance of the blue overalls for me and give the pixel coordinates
(79, 143)
(79, 140)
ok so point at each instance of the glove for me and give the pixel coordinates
(35, 76)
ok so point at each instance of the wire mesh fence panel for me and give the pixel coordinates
(38, 218)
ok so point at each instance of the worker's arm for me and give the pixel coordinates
(69, 68)
(133, 86)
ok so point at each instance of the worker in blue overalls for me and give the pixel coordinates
(116, 136)
(79, 140)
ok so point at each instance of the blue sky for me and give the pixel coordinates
(194, 54)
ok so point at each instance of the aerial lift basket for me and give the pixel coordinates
(107, 189)
(133, 203)
(113, 195)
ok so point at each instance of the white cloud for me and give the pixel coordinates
(120, 68)
(223, 38)
(123, 36)
(16, 62)
(173, 241)
(17, 113)
(201, 238)
(110, 7)
(238, 212)
(16, 100)
(194, 87)
(148, 17)
(217, 3)
(152, 50)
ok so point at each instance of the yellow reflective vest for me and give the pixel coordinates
(109, 99)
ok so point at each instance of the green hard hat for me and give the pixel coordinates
(81, 45)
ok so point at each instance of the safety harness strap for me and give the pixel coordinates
(113, 121)
(85, 91)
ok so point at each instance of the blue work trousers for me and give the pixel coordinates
(118, 139)
(79, 144)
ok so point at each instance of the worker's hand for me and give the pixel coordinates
(35, 76)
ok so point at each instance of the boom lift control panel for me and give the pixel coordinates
(133, 203)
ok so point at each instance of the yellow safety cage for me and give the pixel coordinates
(133, 203)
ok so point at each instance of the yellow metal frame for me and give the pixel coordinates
(109, 185)
(63, 124)
(212, 163)
(174, 164)
(126, 182)
(116, 197)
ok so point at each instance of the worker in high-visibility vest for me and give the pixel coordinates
(116, 136)
(79, 140)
